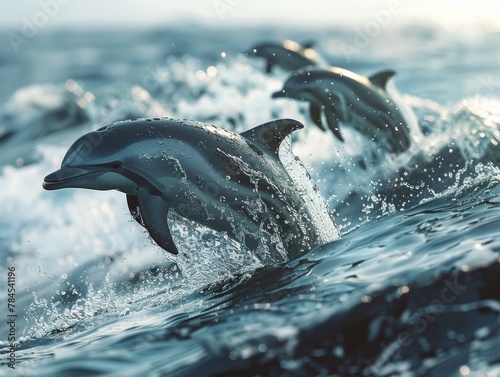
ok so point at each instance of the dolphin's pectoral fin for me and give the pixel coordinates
(335, 111)
(268, 136)
(269, 66)
(154, 212)
(333, 124)
(380, 79)
(315, 114)
(134, 208)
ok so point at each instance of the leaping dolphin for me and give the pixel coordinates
(346, 97)
(228, 182)
(288, 55)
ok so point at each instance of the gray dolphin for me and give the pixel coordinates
(35, 113)
(358, 101)
(226, 181)
(288, 55)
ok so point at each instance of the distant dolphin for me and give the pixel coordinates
(226, 181)
(358, 101)
(288, 55)
(37, 112)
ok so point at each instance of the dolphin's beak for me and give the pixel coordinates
(279, 94)
(65, 177)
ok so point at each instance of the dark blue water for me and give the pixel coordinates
(409, 289)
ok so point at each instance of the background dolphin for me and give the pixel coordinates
(35, 113)
(225, 181)
(288, 55)
(360, 102)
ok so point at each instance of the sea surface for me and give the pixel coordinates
(411, 287)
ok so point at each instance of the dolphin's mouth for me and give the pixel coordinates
(65, 177)
(279, 94)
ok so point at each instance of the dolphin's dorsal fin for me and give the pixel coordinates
(154, 212)
(268, 136)
(308, 44)
(380, 79)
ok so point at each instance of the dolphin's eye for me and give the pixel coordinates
(116, 165)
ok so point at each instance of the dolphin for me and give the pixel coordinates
(226, 181)
(288, 55)
(36, 113)
(346, 97)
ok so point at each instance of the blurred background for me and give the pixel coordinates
(53, 40)
(314, 13)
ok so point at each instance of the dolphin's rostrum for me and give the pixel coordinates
(354, 100)
(226, 181)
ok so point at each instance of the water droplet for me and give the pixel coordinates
(211, 71)
(464, 370)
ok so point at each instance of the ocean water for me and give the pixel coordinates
(411, 287)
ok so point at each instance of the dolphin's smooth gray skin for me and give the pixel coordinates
(226, 181)
(288, 55)
(360, 102)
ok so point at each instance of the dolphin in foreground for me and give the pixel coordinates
(229, 182)
(288, 55)
(346, 97)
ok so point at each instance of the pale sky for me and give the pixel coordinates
(154, 13)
